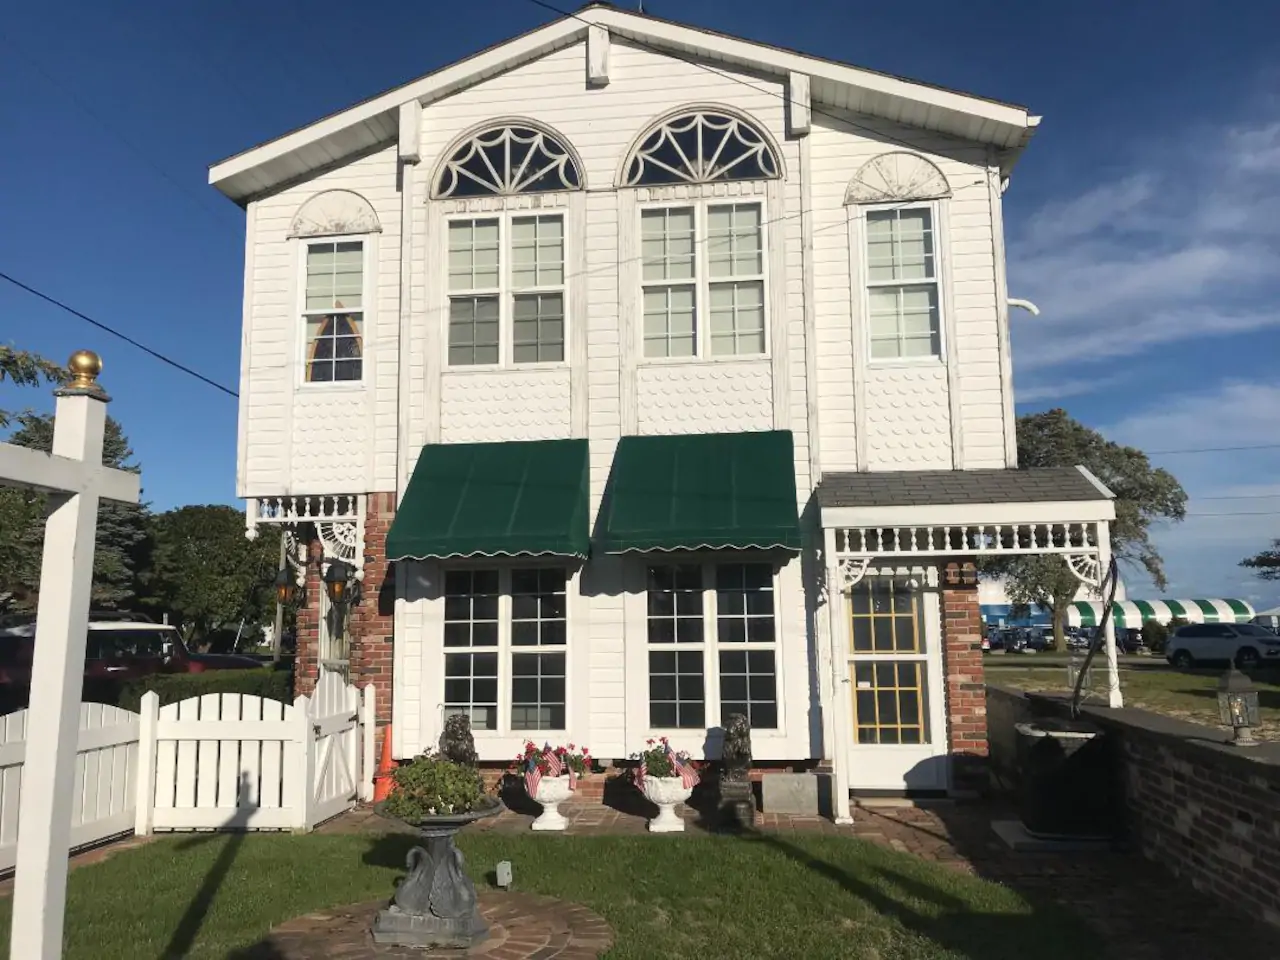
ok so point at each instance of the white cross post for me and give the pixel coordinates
(76, 480)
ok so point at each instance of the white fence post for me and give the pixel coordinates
(148, 715)
(306, 739)
(368, 727)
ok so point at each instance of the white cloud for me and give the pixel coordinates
(1184, 248)
(1234, 505)
(1058, 390)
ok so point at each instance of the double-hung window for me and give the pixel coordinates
(712, 645)
(702, 275)
(505, 644)
(902, 283)
(332, 310)
(506, 290)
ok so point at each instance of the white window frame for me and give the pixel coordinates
(369, 288)
(505, 649)
(505, 291)
(940, 280)
(711, 646)
(702, 281)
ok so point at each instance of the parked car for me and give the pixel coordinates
(1245, 644)
(1130, 641)
(118, 649)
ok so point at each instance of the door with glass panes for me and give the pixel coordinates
(895, 683)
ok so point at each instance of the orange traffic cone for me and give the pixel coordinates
(383, 780)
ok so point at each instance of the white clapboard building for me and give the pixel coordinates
(642, 375)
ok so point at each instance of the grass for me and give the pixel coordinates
(1186, 694)
(689, 897)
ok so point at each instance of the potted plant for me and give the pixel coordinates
(550, 776)
(435, 905)
(666, 777)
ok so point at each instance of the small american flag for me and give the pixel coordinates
(532, 777)
(641, 773)
(573, 779)
(688, 776)
(555, 766)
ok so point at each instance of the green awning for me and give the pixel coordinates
(494, 499)
(707, 490)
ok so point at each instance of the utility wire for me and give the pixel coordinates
(1168, 453)
(116, 333)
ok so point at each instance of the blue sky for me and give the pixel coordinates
(1143, 220)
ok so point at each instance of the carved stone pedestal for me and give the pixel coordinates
(736, 806)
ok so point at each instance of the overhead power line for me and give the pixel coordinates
(1256, 446)
(116, 333)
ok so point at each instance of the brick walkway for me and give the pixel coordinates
(521, 926)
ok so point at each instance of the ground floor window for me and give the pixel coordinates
(711, 644)
(888, 661)
(505, 643)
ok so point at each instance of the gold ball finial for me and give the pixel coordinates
(85, 365)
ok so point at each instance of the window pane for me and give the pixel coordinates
(538, 606)
(737, 318)
(675, 692)
(473, 254)
(335, 276)
(748, 685)
(667, 244)
(538, 328)
(537, 691)
(669, 322)
(734, 247)
(889, 704)
(334, 347)
(905, 321)
(885, 614)
(473, 330)
(537, 251)
(900, 244)
(472, 688)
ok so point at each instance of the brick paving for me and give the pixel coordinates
(522, 927)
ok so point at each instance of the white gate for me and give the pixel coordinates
(105, 790)
(335, 709)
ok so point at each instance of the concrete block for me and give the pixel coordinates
(790, 794)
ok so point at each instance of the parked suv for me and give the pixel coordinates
(117, 649)
(1245, 644)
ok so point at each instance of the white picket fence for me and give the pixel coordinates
(218, 762)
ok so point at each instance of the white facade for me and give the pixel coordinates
(850, 146)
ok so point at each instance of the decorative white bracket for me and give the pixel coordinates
(1086, 566)
(338, 521)
(851, 570)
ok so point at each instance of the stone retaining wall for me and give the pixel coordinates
(1205, 809)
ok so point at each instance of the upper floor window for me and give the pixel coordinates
(506, 290)
(902, 283)
(703, 146)
(508, 160)
(705, 260)
(333, 310)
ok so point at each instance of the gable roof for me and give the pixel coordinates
(372, 122)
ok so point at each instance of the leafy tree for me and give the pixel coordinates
(1155, 635)
(121, 526)
(1144, 495)
(1266, 563)
(26, 369)
(205, 573)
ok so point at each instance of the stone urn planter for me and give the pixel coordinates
(666, 792)
(551, 792)
(436, 904)
(1068, 780)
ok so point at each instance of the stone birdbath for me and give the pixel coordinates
(436, 904)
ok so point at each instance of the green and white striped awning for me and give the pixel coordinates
(1134, 613)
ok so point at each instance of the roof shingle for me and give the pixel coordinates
(915, 488)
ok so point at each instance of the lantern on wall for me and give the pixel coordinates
(1238, 706)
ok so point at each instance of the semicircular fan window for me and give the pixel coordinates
(509, 160)
(701, 147)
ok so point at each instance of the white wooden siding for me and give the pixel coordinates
(309, 438)
(838, 149)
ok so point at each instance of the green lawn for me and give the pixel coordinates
(1186, 694)
(678, 897)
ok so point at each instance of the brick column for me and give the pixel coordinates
(966, 687)
(306, 662)
(372, 621)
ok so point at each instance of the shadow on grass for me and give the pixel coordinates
(188, 928)
(948, 921)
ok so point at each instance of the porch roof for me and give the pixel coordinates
(524, 498)
(695, 491)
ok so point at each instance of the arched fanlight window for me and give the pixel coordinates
(702, 146)
(507, 160)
